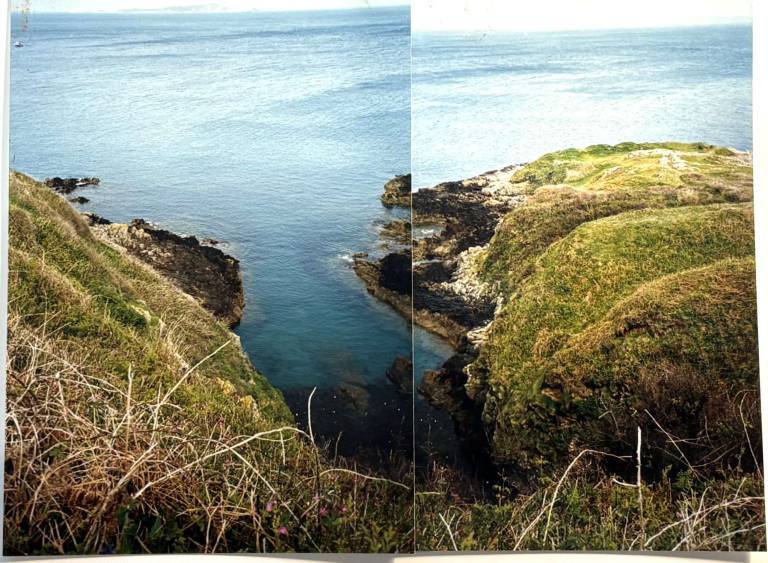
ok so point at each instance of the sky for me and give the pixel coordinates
(551, 15)
(195, 5)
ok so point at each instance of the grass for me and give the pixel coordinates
(603, 181)
(591, 509)
(627, 281)
(137, 424)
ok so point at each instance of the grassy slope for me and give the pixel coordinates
(114, 310)
(629, 287)
(107, 396)
(627, 216)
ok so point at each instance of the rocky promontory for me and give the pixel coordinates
(204, 272)
(591, 281)
(606, 266)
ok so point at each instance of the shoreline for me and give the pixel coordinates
(196, 267)
(213, 278)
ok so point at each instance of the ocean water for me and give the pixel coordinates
(483, 101)
(271, 132)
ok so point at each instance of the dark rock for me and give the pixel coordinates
(397, 192)
(68, 185)
(444, 390)
(92, 219)
(398, 231)
(210, 242)
(388, 279)
(395, 272)
(204, 272)
(80, 200)
(401, 374)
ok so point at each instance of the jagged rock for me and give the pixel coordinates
(80, 200)
(444, 390)
(397, 192)
(204, 272)
(388, 279)
(397, 231)
(93, 220)
(69, 185)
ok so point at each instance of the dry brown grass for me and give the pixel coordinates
(586, 507)
(91, 467)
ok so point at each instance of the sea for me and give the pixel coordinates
(273, 133)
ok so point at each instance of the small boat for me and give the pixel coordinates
(18, 44)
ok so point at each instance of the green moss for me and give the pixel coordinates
(627, 165)
(678, 355)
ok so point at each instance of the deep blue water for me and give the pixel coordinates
(483, 101)
(273, 132)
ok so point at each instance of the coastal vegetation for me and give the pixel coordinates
(136, 423)
(617, 382)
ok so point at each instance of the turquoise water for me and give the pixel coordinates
(483, 101)
(272, 132)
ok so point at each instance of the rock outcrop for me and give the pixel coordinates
(388, 279)
(206, 273)
(397, 192)
(68, 185)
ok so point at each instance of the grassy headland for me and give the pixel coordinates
(137, 424)
(618, 383)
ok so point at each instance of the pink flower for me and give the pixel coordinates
(343, 508)
(283, 531)
(323, 511)
(270, 506)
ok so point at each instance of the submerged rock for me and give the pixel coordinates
(204, 272)
(80, 200)
(397, 192)
(400, 373)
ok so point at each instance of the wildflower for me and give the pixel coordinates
(283, 531)
(343, 508)
(270, 506)
(323, 511)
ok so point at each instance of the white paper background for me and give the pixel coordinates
(475, 9)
